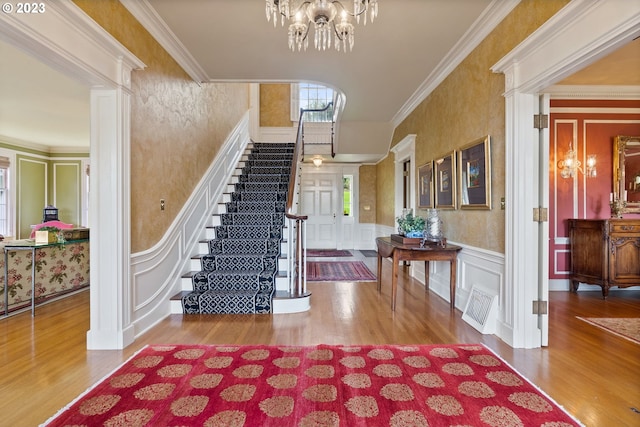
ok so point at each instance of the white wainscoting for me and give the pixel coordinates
(365, 236)
(155, 273)
(276, 134)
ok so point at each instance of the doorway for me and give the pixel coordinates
(320, 203)
(544, 58)
(88, 54)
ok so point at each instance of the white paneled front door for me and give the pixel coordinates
(319, 202)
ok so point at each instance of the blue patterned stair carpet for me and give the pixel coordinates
(238, 274)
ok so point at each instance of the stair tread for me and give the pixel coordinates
(260, 181)
(288, 295)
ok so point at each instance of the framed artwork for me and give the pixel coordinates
(425, 185)
(445, 181)
(474, 174)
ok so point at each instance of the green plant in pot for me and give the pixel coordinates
(410, 225)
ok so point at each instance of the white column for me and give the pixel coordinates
(519, 326)
(111, 306)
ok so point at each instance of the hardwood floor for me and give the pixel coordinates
(593, 374)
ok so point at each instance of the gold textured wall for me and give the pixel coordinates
(275, 105)
(367, 194)
(385, 191)
(466, 106)
(177, 126)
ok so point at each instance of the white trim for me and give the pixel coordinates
(156, 272)
(152, 22)
(294, 102)
(404, 150)
(19, 143)
(254, 111)
(594, 92)
(579, 34)
(276, 135)
(37, 160)
(78, 167)
(583, 110)
(70, 41)
(481, 28)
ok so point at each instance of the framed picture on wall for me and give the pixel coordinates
(474, 174)
(425, 185)
(445, 181)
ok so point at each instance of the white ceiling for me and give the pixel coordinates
(40, 107)
(395, 61)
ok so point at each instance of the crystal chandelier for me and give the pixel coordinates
(570, 165)
(330, 18)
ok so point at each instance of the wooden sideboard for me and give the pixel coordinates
(605, 252)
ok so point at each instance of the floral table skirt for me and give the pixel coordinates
(59, 270)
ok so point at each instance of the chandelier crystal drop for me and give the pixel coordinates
(330, 19)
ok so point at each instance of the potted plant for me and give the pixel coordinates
(410, 225)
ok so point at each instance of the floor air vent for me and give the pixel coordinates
(481, 310)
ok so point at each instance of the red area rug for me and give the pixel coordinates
(411, 385)
(628, 327)
(328, 253)
(338, 271)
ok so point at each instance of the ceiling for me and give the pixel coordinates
(394, 62)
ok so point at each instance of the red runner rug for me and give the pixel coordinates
(411, 385)
(338, 271)
(628, 327)
(328, 253)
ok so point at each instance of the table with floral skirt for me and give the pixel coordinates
(59, 268)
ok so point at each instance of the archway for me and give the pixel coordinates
(578, 35)
(70, 42)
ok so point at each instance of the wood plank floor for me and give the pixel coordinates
(595, 375)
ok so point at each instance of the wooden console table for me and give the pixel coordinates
(388, 248)
(605, 252)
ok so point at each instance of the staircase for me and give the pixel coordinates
(238, 273)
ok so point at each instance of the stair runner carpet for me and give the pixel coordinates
(238, 274)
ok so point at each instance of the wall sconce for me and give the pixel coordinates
(570, 165)
(317, 161)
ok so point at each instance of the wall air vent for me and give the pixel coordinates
(481, 310)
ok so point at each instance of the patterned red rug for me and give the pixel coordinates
(338, 271)
(627, 327)
(411, 385)
(328, 253)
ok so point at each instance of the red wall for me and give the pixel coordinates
(592, 126)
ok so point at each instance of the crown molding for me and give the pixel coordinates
(34, 147)
(594, 92)
(481, 28)
(96, 58)
(565, 43)
(152, 22)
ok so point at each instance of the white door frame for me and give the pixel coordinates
(578, 35)
(68, 40)
(313, 174)
(403, 151)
